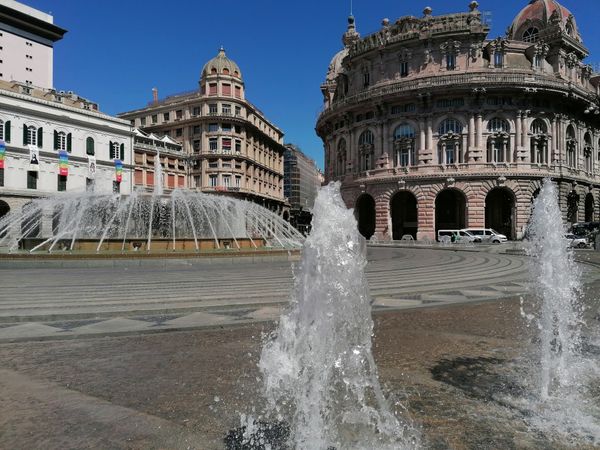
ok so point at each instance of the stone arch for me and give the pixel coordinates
(404, 214)
(590, 212)
(401, 121)
(450, 209)
(499, 115)
(458, 116)
(364, 212)
(500, 211)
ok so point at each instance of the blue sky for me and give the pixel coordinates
(116, 51)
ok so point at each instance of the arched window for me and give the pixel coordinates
(571, 147)
(498, 144)
(365, 148)
(31, 135)
(89, 146)
(531, 34)
(404, 146)
(450, 126)
(341, 158)
(588, 151)
(449, 145)
(539, 142)
(61, 141)
(498, 125)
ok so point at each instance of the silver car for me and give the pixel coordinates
(576, 241)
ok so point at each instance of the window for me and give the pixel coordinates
(114, 150)
(366, 79)
(498, 59)
(450, 102)
(196, 111)
(409, 107)
(89, 184)
(213, 164)
(366, 138)
(155, 118)
(226, 143)
(60, 140)
(341, 158)
(238, 129)
(226, 164)
(365, 144)
(179, 132)
(30, 135)
(166, 117)
(226, 109)
(212, 108)
(450, 61)
(404, 69)
(226, 88)
(227, 181)
(537, 61)
(196, 129)
(213, 144)
(404, 145)
(238, 111)
(571, 147)
(179, 114)
(116, 187)
(62, 183)
(212, 89)
(32, 178)
(238, 92)
(197, 145)
(212, 180)
(143, 122)
(238, 146)
(1, 177)
(213, 127)
(226, 127)
(238, 181)
(531, 34)
(89, 146)
(497, 125)
(450, 126)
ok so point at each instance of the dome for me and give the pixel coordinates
(539, 15)
(348, 38)
(221, 65)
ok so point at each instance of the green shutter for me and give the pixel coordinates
(89, 146)
(7, 131)
(24, 134)
(55, 140)
(69, 141)
(40, 137)
(122, 152)
(110, 152)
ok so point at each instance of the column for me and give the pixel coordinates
(429, 135)
(518, 133)
(479, 142)
(552, 143)
(471, 132)
(505, 154)
(526, 141)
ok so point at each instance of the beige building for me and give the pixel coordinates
(429, 123)
(232, 147)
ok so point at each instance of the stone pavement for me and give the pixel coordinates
(64, 303)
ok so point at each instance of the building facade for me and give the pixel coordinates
(150, 150)
(301, 183)
(53, 141)
(233, 149)
(429, 123)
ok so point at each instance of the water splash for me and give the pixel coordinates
(158, 175)
(318, 370)
(564, 401)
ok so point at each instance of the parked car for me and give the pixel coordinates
(576, 241)
(487, 235)
(458, 236)
(584, 228)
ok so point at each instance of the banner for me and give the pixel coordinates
(118, 170)
(34, 158)
(2, 152)
(91, 167)
(63, 163)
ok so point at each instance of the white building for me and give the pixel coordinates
(76, 147)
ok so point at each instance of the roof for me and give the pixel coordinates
(541, 14)
(221, 65)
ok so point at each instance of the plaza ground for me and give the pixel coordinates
(441, 344)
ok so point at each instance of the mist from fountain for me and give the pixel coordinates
(566, 373)
(158, 175)
(318, 370)
(187, 220)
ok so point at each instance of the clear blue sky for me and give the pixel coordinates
(116, 51)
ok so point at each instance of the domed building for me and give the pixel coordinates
(431, 124)
(228, 146)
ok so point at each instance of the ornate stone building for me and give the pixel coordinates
(232, 148)
(429, 123)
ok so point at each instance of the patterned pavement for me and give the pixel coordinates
(58, 303)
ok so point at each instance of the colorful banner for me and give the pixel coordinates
(119, 170)
(91, 167)
(34, 158)
(2, 153)
(63, 163)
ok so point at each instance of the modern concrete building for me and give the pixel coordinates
(300, 184)
(232, 147)
(51, 141)
(430, 123)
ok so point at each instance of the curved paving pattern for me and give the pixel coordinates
(65, 303)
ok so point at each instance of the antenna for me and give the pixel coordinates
(350, 7)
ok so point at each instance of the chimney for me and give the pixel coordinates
(155, 95)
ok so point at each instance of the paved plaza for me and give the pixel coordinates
(57, 303)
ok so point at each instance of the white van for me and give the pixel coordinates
(458, 236)
(487, 235)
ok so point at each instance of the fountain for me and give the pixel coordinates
(181, 221)
(320, 379)
(563, 402)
